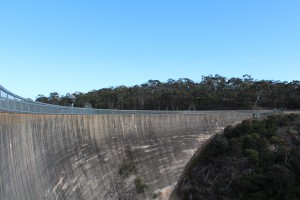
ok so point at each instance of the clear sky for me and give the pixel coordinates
(70, 45)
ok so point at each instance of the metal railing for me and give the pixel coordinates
(9, 102)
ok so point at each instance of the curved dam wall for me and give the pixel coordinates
(78, 156)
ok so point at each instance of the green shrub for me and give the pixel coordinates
(236, 146)
(252, 154)
(220, 144)
(296, 159)
(282, 154)
(139, 185)
(238, 130)
(127, 167)
(230, 132)
(282, 121)
(155, 195)
(282, 179)
(277, 140)
(248, 142)
(255, 136)
(292, 117)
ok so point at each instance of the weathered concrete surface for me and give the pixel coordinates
(76, 156)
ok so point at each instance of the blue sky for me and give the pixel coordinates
(68, 46)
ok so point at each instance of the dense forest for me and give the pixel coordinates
(211, 93)
(257, 159)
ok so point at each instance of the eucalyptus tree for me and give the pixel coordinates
(212, 92)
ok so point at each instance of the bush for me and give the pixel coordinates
(236, 146)
(127, 167)
(282, 121)
(229, 132)
(139, 185)
(292, 117)
(296, 160)
(255, 136)
(155, 195)
(282, 179)
(252, 155)
(220, 144)
(249, 142)
(282, 154)
(238, 130)
(277, 140)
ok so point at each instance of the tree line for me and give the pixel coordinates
(211, 93)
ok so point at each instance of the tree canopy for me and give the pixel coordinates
(211, 93)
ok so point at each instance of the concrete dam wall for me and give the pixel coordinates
(79, 156)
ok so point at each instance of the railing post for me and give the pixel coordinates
(7, 103)
(0, 98)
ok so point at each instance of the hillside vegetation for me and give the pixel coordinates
(211, 93)
(257, 159)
